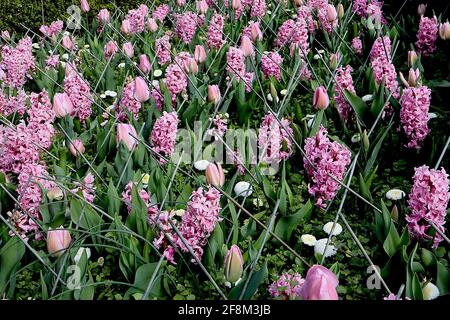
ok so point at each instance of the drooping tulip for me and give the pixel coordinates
(57, 241)
(76, 147)
(128, 49)
(247, 46)
(199, 54)
(214, 93)
(152, 25)
(320, 98)
(320, 284)
(127, 134)
(141, 90)
(234, 264)
(62, 105)
(84, 6)
(214, 175)
(144, 64)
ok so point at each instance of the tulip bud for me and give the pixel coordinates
(84, 6)
(215, 175)
(76, 147)
(412, 58)
(273, 91)
(103, 16)
(214, 94)
(365, 139)
(334, 60)
(234, 264)
(181, 3)
(202, 6)
(125, 27)
(127, 134)
(320, 98)
(67, 43)
(340, 11)
(199, 54)
(128, 49)
(141, 90)
(55, 194)
(331, 13)
(193, 66)
(236, 4)
(413, 77)
(255, 32)
(110, 49)
(444, 31)
(5, 35)
(144, 64)
(394, 213)
(320, 284)
(57, 241)
(62, 105)
(421, 9)
(152, 25)
(430, 291)
(247, 46)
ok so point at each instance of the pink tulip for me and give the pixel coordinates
(256, 32)
(84, 6)
(233, 264)
(128, 49)
(213, 93)
(412, 58)
(70, 70)
(141, 90)
(340, 11)
(193, 66)
(181, 3)
(331, 13)
(111, 49)
(104, 16)
(202, 6)
(334, 60)
(321, 99)
(247, 46)
(127, 134)
(76, 147)
(444, 31)
(144, 64)
(57, 241)
(62, 105)
(152, 25)
(199, 54)
(421, 9)
(236, 4)
(215, 175)
(413, 77)
(5, 35)
(125, 27)
(67, 43)
(320, 284)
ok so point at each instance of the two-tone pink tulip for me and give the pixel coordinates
(144, 64)
(233, 264)
(76, 147)
(215, 175)
(127, 135)
(320, 98)
(84, 6)
(247, 46)
(125, 26)
(62, 105)
(152, 25)
(128, 49)
(199, 54)
(103, 16)
(214, 93)
(58, 240)
(141, 90)
(320, 284)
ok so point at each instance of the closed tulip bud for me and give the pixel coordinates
(413, 77)
(181, 3)
(320, 284)
(62, 105)
(340, 11)
(256, 32)
(55, 194)
(199, 54)
(444, 31)
(5, 35)
(57, 241)
(141, 90)
(144, 64)
(213, 93)
(331, 13)
(234, 264)
(412, 58)
(247, 46)
(67, 43)
(394, 213)
(104, 16)
(320, 98)
(273, 91)
(128, 49)
(76, 147)
(127, 134)
(125, 27)
(84, 6)
(214, 175)
(110, 49)
(152, 25)
(236, 4)
(202, 6)
(421, 9)
(193, 66)
(365, 139)
(334, 60)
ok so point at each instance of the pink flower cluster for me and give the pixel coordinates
(360, 7)
(137, 18)
(215, 30)
(324, 18)
(52, 30)
(79, 93)
(236, 67)
(161, 12)
(427, 35)
(110, 49)
(415, 103)
(164, 135)
(127, 198)
(176, 79)
(258, 9)
(87, 188)
(52, 61)
(284, 34)
(128, 103)
(274, 139)
(305, 13)
(357, 45)
(299, 38)
(162, 49)
(271, 65)
(186, 26)
(344, 81)
(158, 96)
(428, 202)
(17, 64)
(372, 9)
(287, 286)
(219, 125)
(329, 158)
(12, 104)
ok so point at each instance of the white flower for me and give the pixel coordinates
(86, 46)
(356, 138)
(430, 291)
(329, 225)
(395, 194)
(103, 96)
(66, 33)
(201, 165)
(319, 248)
(155, 83)
(157, 73)
(180, 212)
(80, 252)
(243, 189)
(111, 93)
(145, 178)
(121, 65)
(269, 97)
(65, 56)
(63, 64)
(35, 45)
(309, 240)
(432, 115)
(367, 97)
(316, 57)
(283, 92)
